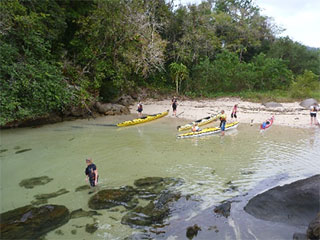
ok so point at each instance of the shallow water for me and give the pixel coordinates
(207, 164)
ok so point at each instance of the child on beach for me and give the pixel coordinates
(140, 109)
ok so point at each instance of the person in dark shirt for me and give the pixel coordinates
(91, 172)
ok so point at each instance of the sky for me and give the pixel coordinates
(299, 18)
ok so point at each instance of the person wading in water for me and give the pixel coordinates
(91, 173)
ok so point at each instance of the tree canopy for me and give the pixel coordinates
(56, 54)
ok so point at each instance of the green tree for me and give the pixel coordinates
(179, 73)
(305, 85)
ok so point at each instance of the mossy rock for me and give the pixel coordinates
(31, 223)
(36, 181)
(109, 198)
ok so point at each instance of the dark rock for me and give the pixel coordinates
(308, 103)
(23, 150)
(150, 187)
(148, 181)
(295, 204)
(272, 105)
(111, 109)
(109, 198)
(81, 213)
(31, 223)
(125, 100)
(91, 228)
(223, 209)
(36, 181)
(82, 188)
(299, 236)
(3, 150)
(74, 231)
(44, 197)
(313, 231)
(153, 213)
(192, 231)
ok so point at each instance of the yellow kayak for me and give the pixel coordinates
(143, 119)
(200, 122)
(208, 131)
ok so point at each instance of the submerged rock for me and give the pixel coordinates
(3, 150)
(81, 213)
(36, 181)
(313, 231)
(23, 150)
(91, 228)
(42, 198)
(153, 213)
(223, 209)
(82, 188)
(193, 231)
(150, 187)
(296, 203)
(31, 223)
(148, 181)
(109, 198)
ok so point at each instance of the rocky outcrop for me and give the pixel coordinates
(272, 105)
(111, 109)
(125, 100)
(109, 198)
(308, 103)
(31, 223)
(295, 204)
(223, 209)
(153, 213)
(192, 231)
(313, 231)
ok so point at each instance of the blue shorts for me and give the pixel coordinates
(223, 125)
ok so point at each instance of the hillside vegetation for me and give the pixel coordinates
(58, 54)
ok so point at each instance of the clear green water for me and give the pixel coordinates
(122, 155)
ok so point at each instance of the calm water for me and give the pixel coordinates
(244, 156)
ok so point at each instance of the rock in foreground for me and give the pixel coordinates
(109, 198)
(31, 223)
(295, 204)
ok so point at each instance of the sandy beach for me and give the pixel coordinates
(289, 114)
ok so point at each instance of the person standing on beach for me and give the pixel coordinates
(313, 114)
(174, 106)
(91, 173)
(234, 112)
(223, 120)
(140, 109)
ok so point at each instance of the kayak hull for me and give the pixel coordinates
(200, 122)
(143, 119)
(208, 131)
(268, 125)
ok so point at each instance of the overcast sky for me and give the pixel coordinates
(300, 18)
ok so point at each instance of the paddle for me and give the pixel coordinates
(103, 125)
(179, 114)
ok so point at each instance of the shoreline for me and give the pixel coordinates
(289, 114)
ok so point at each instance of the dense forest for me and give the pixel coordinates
(55, 54)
